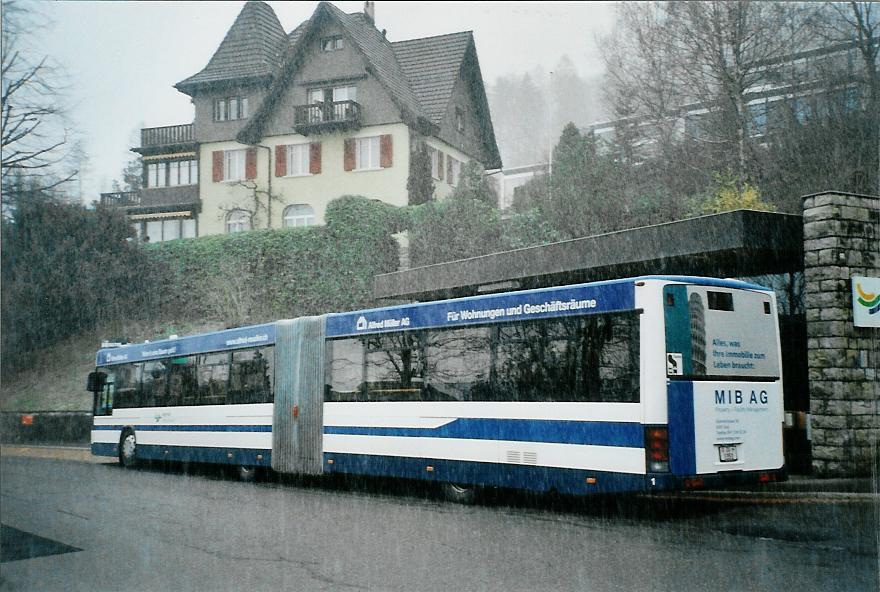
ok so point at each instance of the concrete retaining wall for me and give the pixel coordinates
(46, 427)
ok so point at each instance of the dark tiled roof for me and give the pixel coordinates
(432, 66)
(293, 36)
(251, 49)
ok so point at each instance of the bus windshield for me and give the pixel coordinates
(719, 333)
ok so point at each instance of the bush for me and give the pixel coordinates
(65, 269)
(264, 275)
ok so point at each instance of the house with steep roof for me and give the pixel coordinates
(332, 108)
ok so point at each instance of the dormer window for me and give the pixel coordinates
(332, 43)
(230, 108)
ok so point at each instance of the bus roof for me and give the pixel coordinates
(579, 299)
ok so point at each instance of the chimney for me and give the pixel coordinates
(370, 11)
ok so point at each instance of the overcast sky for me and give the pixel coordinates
(123, 58)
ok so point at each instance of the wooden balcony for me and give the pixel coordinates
(170, 135)
(321, 118)
(121, 198)
(153, 199)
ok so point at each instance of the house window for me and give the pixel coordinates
(234, 165)
(183, 172)
(459, 120)
(332, 43)
(157, 231)
(367, 153)
(156, 175)
(297, 160)
(453, 170)
(237, 221)
(299, 215)
(230, 108)
(436, 164)
(344, 93)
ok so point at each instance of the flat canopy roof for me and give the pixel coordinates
(743, 243)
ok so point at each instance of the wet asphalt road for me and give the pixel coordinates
(157, 528)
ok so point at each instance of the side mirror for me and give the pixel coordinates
(96, 381)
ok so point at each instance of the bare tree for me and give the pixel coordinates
(256, 203)
(33, 131)
(640, 85)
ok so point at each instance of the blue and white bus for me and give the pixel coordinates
(643, 384)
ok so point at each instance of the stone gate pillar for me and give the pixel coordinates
(841, 233)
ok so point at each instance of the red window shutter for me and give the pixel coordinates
(348, 154)
(280, 160)
(439, 165)
(385, 151)
(449, 177)
(315, 158)
(217, 166)
(250, 164)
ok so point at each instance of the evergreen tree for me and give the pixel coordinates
(474, 184)
(420, 184)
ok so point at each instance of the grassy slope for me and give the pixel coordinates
(57, 382)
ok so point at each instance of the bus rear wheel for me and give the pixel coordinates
(128, 449)
(459, 494)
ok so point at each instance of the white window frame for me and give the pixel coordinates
(456, 171)
(298, 154)
(234, 165)
(435, 163)
(374, 156)
(223, 108)
(174, 173)
(334, 43)
(298, 220)
(157, 175)
(238, 221)
(345, 93)
(220, 112)
(194, 171)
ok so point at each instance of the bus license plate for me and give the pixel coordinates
(727, 453)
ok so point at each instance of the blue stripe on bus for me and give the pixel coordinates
(519, 430)
(189, 428)
(682, 449)
(533, 478)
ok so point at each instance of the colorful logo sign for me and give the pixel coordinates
(866, 301)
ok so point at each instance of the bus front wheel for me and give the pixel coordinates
(459, 494)
(128, 449)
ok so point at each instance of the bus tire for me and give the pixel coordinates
(459, 494)
(128, 449)
(246, 473)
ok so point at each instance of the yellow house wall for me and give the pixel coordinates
(388, 185)
(442, 189)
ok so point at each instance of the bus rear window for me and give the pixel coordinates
(720, 300)
(719, 335)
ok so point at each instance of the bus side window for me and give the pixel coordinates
(250, 381)
(213, 373)
(154, 384)
(127, 378)
(104, 397)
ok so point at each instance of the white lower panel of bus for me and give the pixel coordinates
(565, 456)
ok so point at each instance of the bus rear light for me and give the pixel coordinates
(657, 448)
(766, 477)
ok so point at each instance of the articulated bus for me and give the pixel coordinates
(644, 384)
